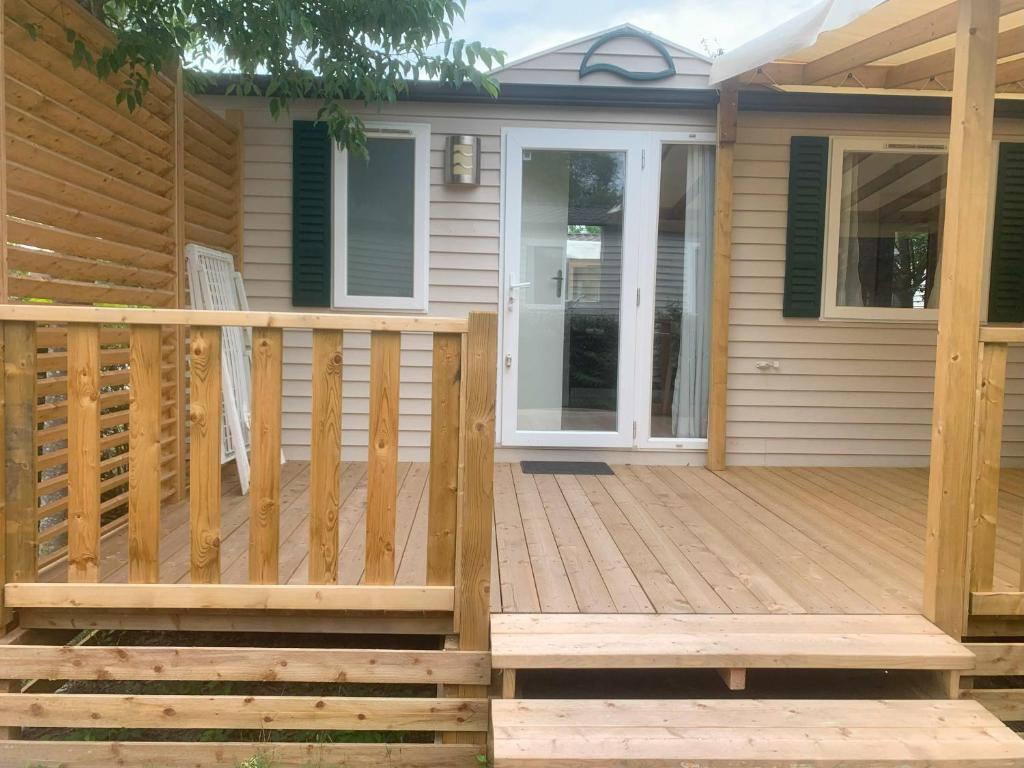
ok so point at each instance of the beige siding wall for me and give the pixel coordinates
(845, 393)
(464, 245)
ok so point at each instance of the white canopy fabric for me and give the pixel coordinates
(822, 29)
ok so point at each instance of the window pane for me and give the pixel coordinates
(682, 295)
(381, 215)
(890, 229)
(571, 294)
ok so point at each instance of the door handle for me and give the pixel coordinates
(558, 284)
(512, 288)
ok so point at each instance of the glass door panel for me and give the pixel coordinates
(682, 292)
(568, 235)
(571, 271)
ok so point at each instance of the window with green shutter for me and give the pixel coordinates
(361, 225)
(1006, 287)
(311, 215)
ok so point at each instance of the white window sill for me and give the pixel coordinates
(925, 317)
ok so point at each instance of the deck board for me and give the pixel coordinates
(648, 539)
(735, 733)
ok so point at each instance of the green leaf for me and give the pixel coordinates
(334, 51)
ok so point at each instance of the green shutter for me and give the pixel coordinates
(805, 226)
(311, 215)
(1006, 290)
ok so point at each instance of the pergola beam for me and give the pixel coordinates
(1010, 72)
(940, 65)
(956, 363)
(857, 65)
(924, 29)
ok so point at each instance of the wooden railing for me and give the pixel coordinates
(460, 477)
(984, 512)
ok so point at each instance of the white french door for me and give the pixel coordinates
(581, 222)
(571, 231)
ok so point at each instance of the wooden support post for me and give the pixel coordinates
(265, 488)
(4, 614)
(4, 276)
(20, 453)
(325, 462)
(83, 452)
(728, 110)
(473, 576)
(987, 451)
(956, 366)
(382, 465)
(237, 118)
(144, 455)
(204, 466)
(476, 516)
(445, 414)
(508, 683)
(180, 288)
(735, 679)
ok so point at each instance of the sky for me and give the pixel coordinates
(521, 27)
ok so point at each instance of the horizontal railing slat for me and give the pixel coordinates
(104, 710)
(143, 754)
(188, 317)
(299, 665)
(271, 597)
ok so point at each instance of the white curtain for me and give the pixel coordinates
(690, 400)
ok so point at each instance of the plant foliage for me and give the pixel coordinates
(331, 50)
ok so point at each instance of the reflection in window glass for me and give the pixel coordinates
(682, 298)
(890, 229)
(381, 219)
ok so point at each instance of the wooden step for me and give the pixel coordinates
(746, 732)
(630, 641)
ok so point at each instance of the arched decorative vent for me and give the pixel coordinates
(588, 68)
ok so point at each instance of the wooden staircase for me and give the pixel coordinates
(733, 731)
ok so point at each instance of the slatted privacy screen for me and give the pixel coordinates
(100, 202)
(405, 709)
(140, 335)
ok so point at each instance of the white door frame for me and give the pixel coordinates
(633, 144)
(640, 227)
(645, 309)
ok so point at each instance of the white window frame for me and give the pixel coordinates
(418, 302)
(839, 145)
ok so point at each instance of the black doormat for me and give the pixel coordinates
(565, 468)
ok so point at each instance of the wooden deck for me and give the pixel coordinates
(648, 539)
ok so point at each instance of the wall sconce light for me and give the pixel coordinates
(462, 161)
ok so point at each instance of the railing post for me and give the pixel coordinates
(382, 459)
(473, 573)
(19, 436)
(988, 445)
(83, 452)
(144, 454)
(265, 487)
(475, 519)
(204, 463)
(325, 461)
(445, 443)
